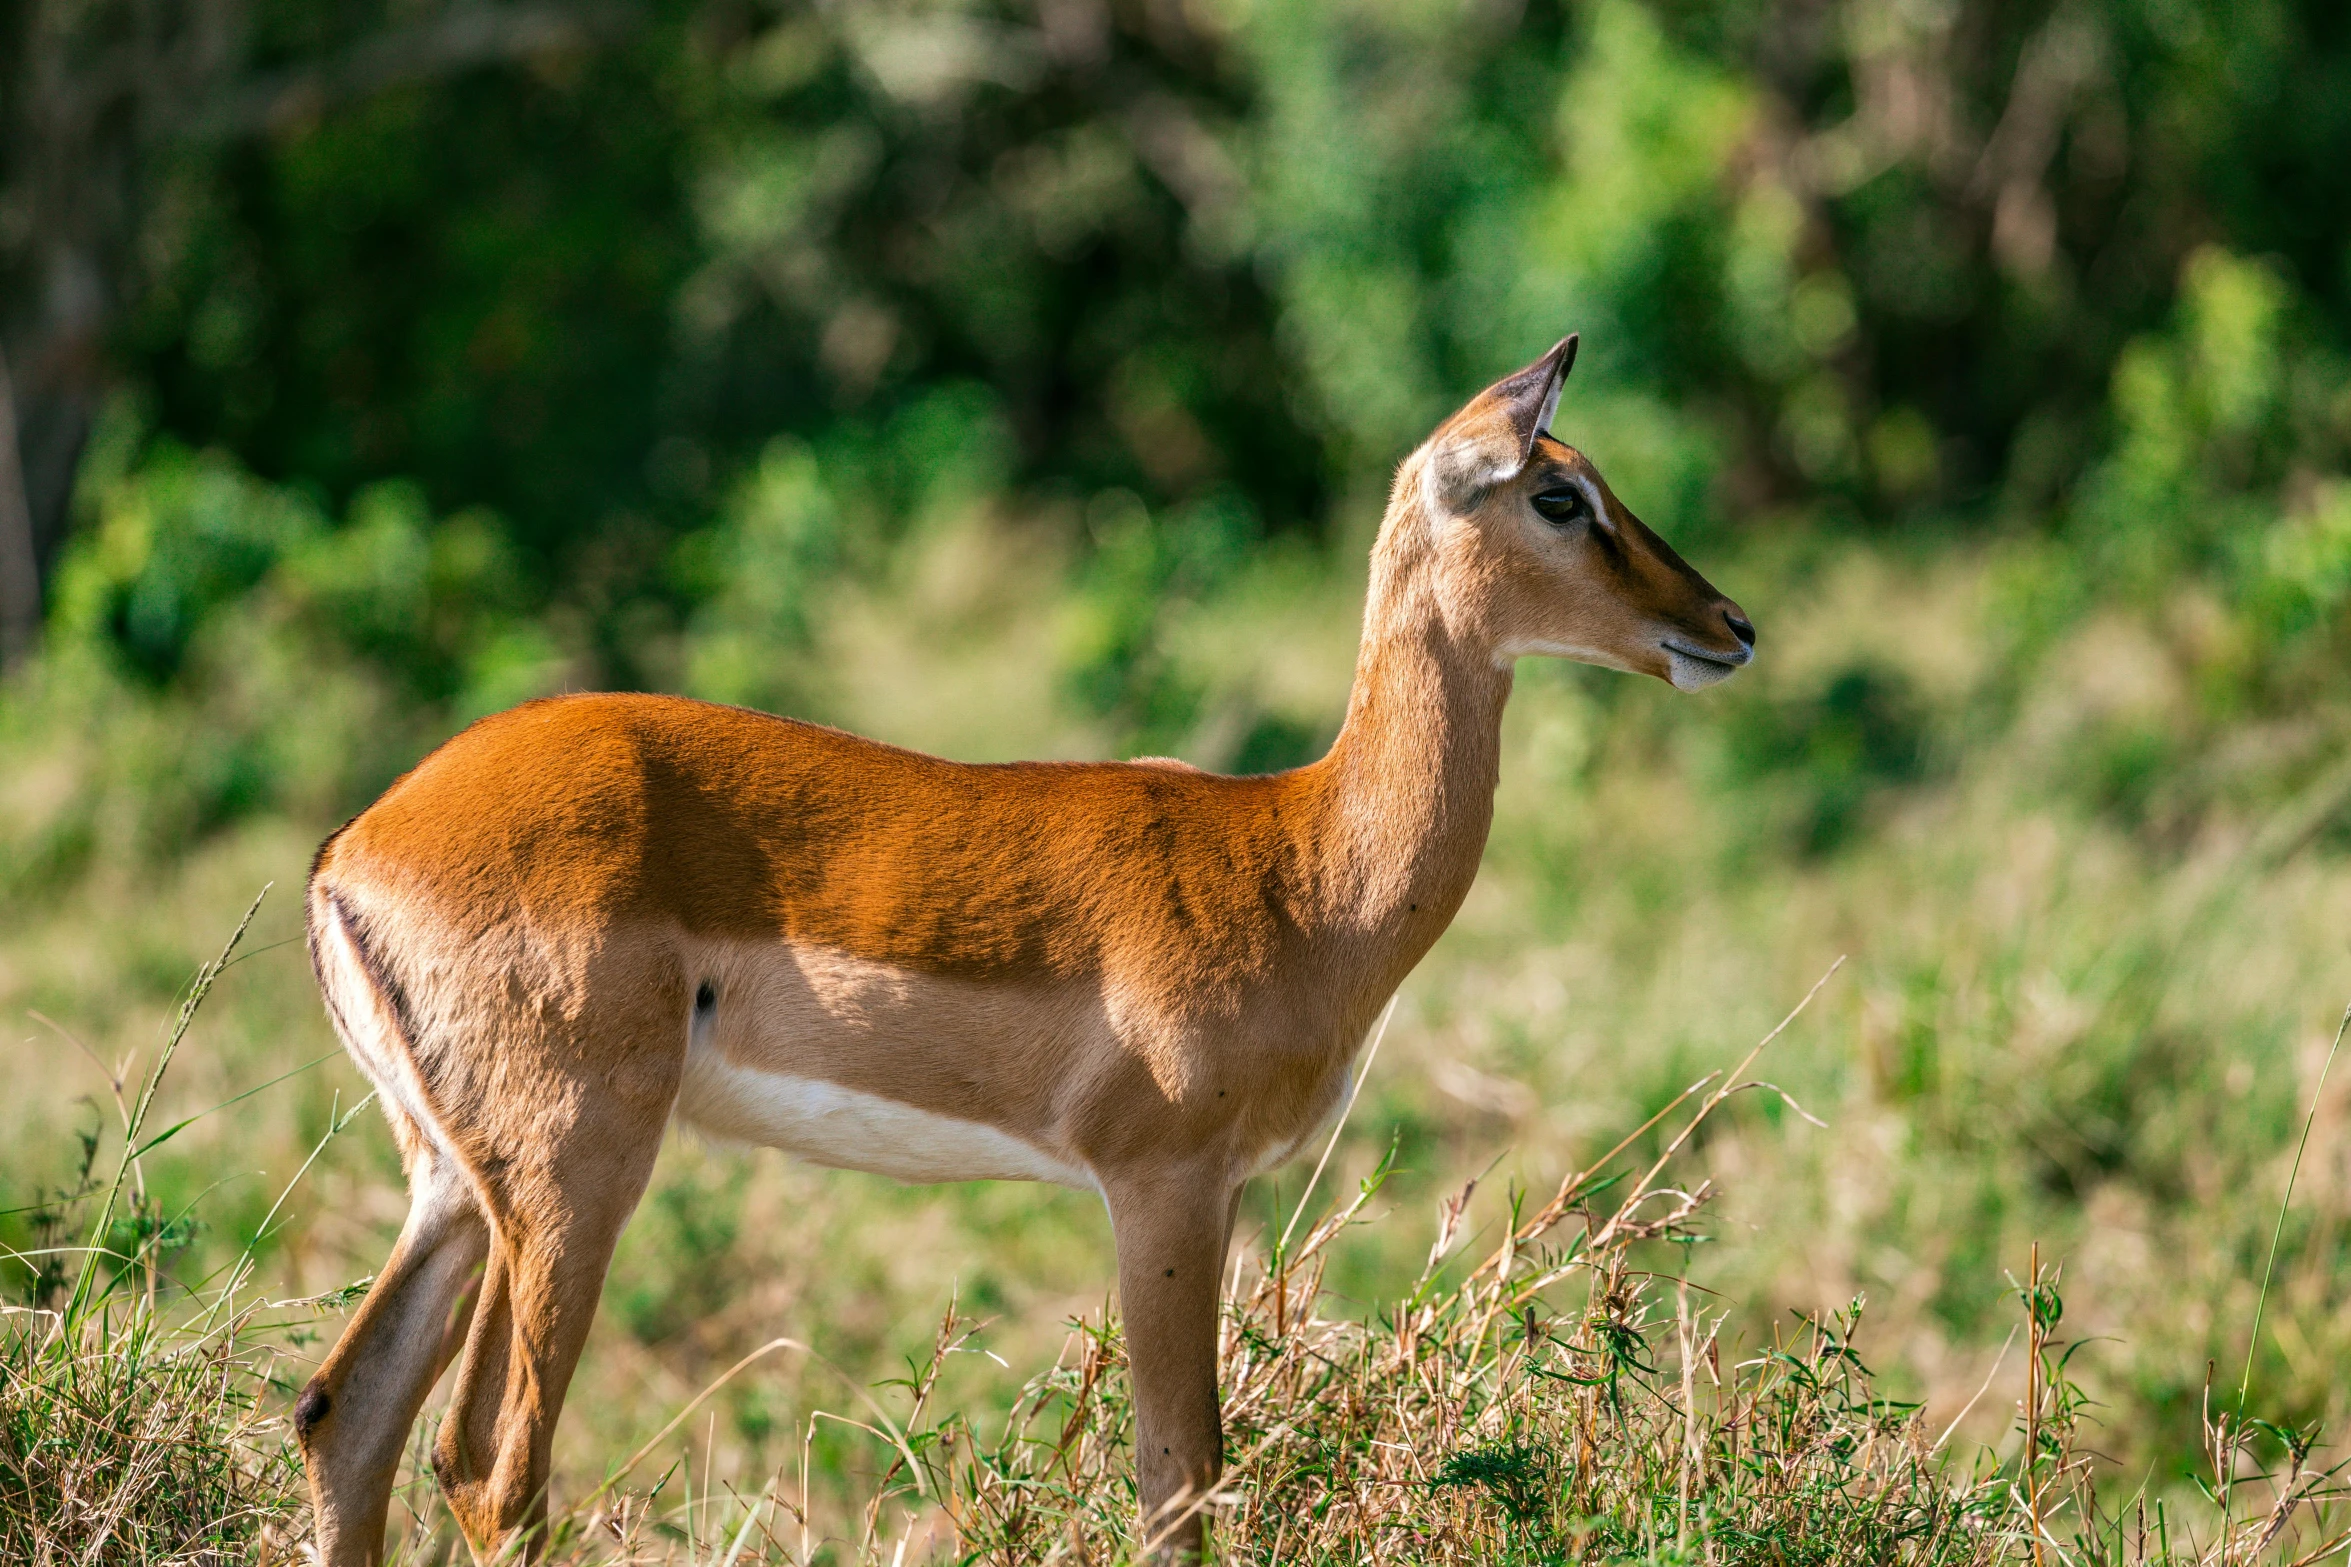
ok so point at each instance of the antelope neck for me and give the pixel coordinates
(1411, 776)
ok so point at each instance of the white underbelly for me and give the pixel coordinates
(827, 1124)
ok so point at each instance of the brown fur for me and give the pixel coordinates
(1148, 973)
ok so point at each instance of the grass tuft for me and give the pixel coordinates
(128, 1438)
(136, 1420)
(1567, 1395)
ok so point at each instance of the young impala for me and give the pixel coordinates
(586, 916)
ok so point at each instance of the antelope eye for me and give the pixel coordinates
(1563, 505)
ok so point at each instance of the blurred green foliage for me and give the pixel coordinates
(1997, 356)
(604, 367)
(621, 363)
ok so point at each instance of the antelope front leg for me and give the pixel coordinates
(1172, 1234)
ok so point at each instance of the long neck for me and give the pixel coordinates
(1411, 776)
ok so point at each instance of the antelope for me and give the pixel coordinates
(593, 914)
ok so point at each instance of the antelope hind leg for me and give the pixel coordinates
(354, 1417)
(559, 1203)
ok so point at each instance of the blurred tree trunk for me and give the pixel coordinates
(59, 341)
(20, 572)
(92, 92)
(85, 86)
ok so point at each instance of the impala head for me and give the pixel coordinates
(1537, 554)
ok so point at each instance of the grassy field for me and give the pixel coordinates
(1024, 381)
(2094, 943)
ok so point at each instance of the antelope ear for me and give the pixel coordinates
(1531, 397)
(1493, 437)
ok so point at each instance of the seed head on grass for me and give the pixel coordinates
(1559, 1399)
(128, 1434)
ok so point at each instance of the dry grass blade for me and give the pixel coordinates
(1559, 1400)
(1498, 1419)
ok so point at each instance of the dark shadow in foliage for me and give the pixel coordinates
(1514, 1476)
(1862, 733)
(509, 287)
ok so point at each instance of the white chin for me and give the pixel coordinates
(1696, 674)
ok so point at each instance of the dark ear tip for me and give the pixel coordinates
(1556, 364)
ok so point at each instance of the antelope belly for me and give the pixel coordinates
(827, 1124)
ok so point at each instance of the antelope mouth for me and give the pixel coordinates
(1694, 669)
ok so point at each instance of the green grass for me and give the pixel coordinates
(1568, 1395)
(2095, 926)
(138, 1418)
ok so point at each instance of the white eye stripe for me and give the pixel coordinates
(1592, 498)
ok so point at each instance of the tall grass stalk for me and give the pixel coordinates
(1558, 1402)
(1559, 1399)
(2277, 1235)
(128, 1436)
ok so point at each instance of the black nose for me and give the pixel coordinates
(1741, 627)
